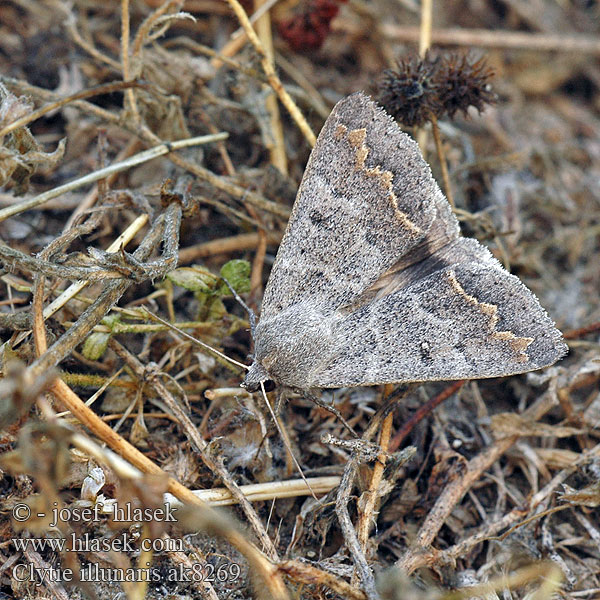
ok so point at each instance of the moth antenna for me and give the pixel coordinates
(286, 441)
(192, 339)
(251, 313)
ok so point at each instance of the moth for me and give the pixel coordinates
(373, 282)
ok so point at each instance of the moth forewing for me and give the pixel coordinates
(374, 284)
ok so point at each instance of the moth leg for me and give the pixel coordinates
(280, 398)
(330, 408)
(251, 313)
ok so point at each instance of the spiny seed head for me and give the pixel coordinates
(464, 81)
(410, 93)
(435, 86)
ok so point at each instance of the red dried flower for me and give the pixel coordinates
(310, 25)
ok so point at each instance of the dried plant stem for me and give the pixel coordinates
(312, 93)
(12, 257)
(243, 241)
(230, 188)
(117, 244)
(239, 38)
(257, 492)
(218, 56)
(22, 87)
(485, 38)
(87, 417)
(121, 416)
(367, 515)
(197, 441)
(551, 574)
(207, 517)
(143, 328)
(448, 499)
(343, 496)
(160, 150)
(277, 148)
(424, 45)
(577, 333)
(442, 158)
(129, 95)
(424, 410)
(71, 27)
(37, 305)
(367, 579)
(269, 70)
(227, 162)
(490, 530)
(144, 133)
(166, 230)
(425, 26)
(310, 575)
(145, 28)
(228, 210)
(105, 88)
(97, 381)
(262, 9)
(92, 196)
(216, 523)
(535, 517)
(233, 46)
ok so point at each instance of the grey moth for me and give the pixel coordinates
(373, 282)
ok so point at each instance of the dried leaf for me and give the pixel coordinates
(508, 424)
(20, 154)
(588, 496)
(557, 458)
(92, 484)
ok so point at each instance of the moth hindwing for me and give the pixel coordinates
(374, 284)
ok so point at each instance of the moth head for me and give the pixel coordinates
(256, 375)
(288, 348)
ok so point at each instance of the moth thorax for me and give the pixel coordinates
(291, 346)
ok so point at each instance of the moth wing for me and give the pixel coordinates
(367, 197)
(467, 320)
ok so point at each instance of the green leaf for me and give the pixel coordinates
(111, 320)
(194, 279)
(216, 310)
(95, 345)
(237, 273)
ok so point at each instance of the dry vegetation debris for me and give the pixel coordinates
(150, 150)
